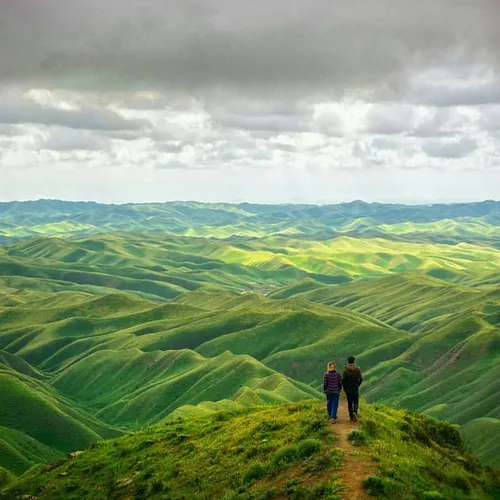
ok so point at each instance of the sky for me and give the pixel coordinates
(265, 101)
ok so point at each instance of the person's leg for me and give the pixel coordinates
(349, 403)
(355, 402)
(335, 405)
(329, 404)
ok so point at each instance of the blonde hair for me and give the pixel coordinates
(331, 364)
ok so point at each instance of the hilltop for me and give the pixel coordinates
(286, 451)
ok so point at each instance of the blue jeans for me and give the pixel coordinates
(352, 402)
(332, 404)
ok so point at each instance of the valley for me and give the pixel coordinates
(115, 318)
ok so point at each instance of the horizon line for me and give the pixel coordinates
(317, 204)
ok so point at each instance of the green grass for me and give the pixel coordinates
(422, 343)
(418, 456)
(238, 454)
(482, 435)
(138, 314)
(284, 451)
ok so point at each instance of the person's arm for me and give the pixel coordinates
(344, 376)
(360, 377)
(325, 382)
(340, 383)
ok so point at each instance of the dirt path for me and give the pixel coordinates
(356, 468)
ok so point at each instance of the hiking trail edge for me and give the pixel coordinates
(356, 466)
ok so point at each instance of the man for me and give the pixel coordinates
(351, 380)
(332, 386)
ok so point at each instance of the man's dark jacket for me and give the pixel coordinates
(351, 378)
(332, 382)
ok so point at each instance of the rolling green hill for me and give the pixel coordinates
(286, 451)
(158, 267)
(37, 424)
(467, 222)
(131, 362)
(187, 309)
(450, 368)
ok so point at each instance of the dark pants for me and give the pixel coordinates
(332, 404)
(352, 402)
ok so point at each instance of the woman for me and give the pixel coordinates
(332, 385)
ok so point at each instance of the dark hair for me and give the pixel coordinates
(351, 359)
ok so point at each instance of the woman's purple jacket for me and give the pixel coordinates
(332, 382)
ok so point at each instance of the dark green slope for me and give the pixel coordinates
(130, 387)
(478, 434)
(19, 452)
(124, 388)
(36, 423)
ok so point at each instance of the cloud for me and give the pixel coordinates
(285, 46)
(264, 116)
(442, 148)
(16, 110)
(389, 119)
(62, 139)
(490, 119)
(328, 121)
(282, 88)
(9, 131)
(442, 122)
(447, 89)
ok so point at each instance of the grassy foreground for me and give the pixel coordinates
(288, 451)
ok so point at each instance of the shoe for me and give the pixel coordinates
(334, 420)
(354, 417)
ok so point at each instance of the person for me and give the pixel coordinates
(351, 380)
(332, 386)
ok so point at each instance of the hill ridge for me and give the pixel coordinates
(284, 451)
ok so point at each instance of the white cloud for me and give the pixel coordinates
(445, 148)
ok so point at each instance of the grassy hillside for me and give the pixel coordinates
(132, 362)
(37, 424)
(285, 451)
(141, 313)
(161, 268)
(450, 366)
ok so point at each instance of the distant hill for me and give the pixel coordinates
(439, 223)
(160, 267)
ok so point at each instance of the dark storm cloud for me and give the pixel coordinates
(442, 148)
(18, 110)
(445, 94)
(281, 46)
(264, 116)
